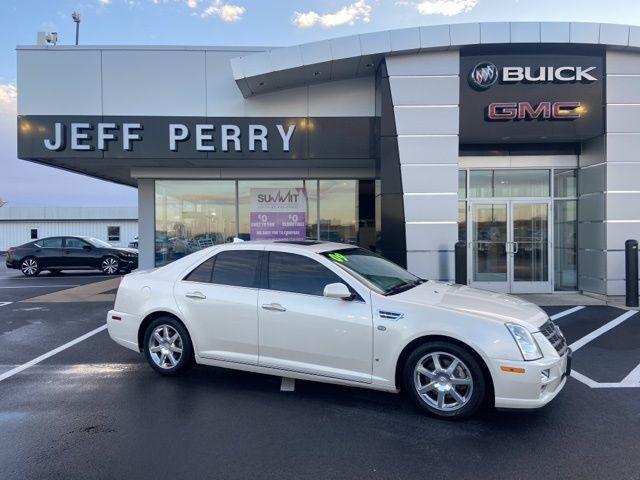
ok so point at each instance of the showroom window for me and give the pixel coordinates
(113, 234)
(565, 224)
(195, 214)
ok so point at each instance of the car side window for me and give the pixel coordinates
(51, 242)
(289, 272)
(202, 273)
(236, 268)
(74, 243)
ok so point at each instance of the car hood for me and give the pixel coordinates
(463, 299)
(127, 250)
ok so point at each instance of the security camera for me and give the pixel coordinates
(51, 38)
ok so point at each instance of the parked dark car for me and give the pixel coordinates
(71, 253)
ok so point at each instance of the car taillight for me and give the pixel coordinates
(10, 251)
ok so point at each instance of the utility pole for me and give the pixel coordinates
(76, 18)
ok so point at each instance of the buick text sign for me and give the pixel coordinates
(530, 97)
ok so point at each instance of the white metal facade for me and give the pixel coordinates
(16, 224)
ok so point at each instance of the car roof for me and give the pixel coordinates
(316, 246)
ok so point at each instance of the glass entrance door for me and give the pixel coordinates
(509, 249)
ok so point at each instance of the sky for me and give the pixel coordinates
(222, 22)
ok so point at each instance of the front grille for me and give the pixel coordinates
(552, 333)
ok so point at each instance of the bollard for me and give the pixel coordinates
(631, 272)
(461, 262)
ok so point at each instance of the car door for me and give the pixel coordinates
(75, 254)
(219, 301)
(50, 252)
(303, 331)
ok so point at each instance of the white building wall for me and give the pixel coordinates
(620, 175)
(191, 81)
(14, 233)
(425, 92)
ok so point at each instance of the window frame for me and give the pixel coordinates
(111, 238)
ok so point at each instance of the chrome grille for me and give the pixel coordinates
(552, 333)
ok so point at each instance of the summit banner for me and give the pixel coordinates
(278, 213)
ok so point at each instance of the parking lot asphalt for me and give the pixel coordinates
(15, 287)
(96, 410)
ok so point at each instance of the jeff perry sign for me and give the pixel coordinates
(193, 137)
(530, 97)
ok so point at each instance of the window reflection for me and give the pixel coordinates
(191, 215)
(339, 210)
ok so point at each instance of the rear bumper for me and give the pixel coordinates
(125, 330)
(10, 263)
(540, 383)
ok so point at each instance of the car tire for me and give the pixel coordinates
(440, 388)
(30, 267)
(110, 265)
(166, 353)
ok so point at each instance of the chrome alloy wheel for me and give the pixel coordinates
(110, 266)
(443, 381)
(29, 266)
(165, 346)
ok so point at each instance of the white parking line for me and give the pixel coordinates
(4, 304)
(288, 384)
(564, 313)
(51, 353)
(603, 329)
(40, 286)
(63, 277)
(632, 380)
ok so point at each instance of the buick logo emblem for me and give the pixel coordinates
(483, 75)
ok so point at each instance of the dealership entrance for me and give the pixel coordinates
(509, 249)
(520, 224)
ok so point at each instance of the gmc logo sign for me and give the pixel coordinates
(502, 111)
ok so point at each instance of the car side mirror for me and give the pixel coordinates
(86, 247)
(337, 290)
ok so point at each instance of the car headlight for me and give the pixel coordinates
(526, 343)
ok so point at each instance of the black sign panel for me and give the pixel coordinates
(529, 97)
(241, 138)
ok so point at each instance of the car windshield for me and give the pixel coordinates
(378, 273)
(96, 242)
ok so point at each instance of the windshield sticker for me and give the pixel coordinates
(338, 257)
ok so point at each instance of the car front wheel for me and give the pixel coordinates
(167, 346)
(444, 380)
(110, 265)
(30, 267)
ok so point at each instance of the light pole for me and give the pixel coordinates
(76, 18)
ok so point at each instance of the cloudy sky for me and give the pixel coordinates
(223, 22)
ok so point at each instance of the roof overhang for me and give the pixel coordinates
(360, 55)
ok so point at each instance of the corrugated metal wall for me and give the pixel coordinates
(13, 233)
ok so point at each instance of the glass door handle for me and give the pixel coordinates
(516, 247)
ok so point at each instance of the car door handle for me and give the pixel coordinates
(276, 307)
(196, 295)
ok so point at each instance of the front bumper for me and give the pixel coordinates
(129, 263)
(10, 263)
(541, 381)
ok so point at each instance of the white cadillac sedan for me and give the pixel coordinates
(336, 313)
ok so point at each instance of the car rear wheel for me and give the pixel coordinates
(110, 265)
(444, 380)
(30, 267)
(168, 347)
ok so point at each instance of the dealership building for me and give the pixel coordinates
(521, 139)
